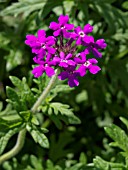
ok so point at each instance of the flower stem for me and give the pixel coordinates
(22, 134)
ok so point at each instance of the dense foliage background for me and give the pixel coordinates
(98, 101)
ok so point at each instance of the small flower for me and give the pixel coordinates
(41, 43)
(71, 74)
(89, 64)
(81, 35)
(64, 61)
(62, 26)
(44, 66)
(95, 46)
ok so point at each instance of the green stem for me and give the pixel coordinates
(22, 134)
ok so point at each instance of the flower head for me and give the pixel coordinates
(62, 27)
(53, 51)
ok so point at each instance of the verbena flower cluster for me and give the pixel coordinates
(60, 50)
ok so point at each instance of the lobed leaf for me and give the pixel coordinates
(38, 135)
(119, 136)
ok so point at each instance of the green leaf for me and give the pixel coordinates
(125, 5)
(125, 121)
(8, 124)
(26, 115)
(16, 81)
(104, 165)
(83, 158)
(1, 106)
(64, 110)
(24, 7)
(4, 139)
(38, 135)
(119, 136)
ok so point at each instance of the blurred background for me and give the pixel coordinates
(99, 99)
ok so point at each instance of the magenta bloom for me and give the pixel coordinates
(71, 74)
(44, 66)
(89, 64)
(62, 26)
(64, 61)
(95, 46)
(58, 51)
(41, 43)
(81, 35)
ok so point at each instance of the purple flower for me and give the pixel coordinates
(81, 35)
(95, 46)
(89, 64)
(41, 43)
(62, 26)
(71, 74)
(64, 61)
(44, 66)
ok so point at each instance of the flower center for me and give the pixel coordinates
(43, 46)
(87, 63)
(81, 33)
(65, 61)
(62, 27)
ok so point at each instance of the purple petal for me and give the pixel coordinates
(83, 56)
(50, 40)
(78, 29)
(66, 34)
(73, 81)
(69, 26)
(79, 41)
(78, 60)
(63, 19)
(49, 71)
(73, 35)
(56, 60)
(63, 64)
(93, 61)
(38, 60)
(62, 55)
(41, 33)
(56, 33)
(96, 53)
(63, 75)
(71, 63)
(48, 57)
(94, 69)
(31, 39)
(36, 49)
(51, 50)
(54, 26)
(101, 44)
(88, 28)
(38, 71)
(81, 70)
(88, 39)
(68, 56)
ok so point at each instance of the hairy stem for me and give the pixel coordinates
(22, 134)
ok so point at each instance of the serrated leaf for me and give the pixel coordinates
(16, 81)
(64, 110)
(8, 124)
(104, 165)
(4, 139)
(38, 136)
(24, 7)
(119, 136)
